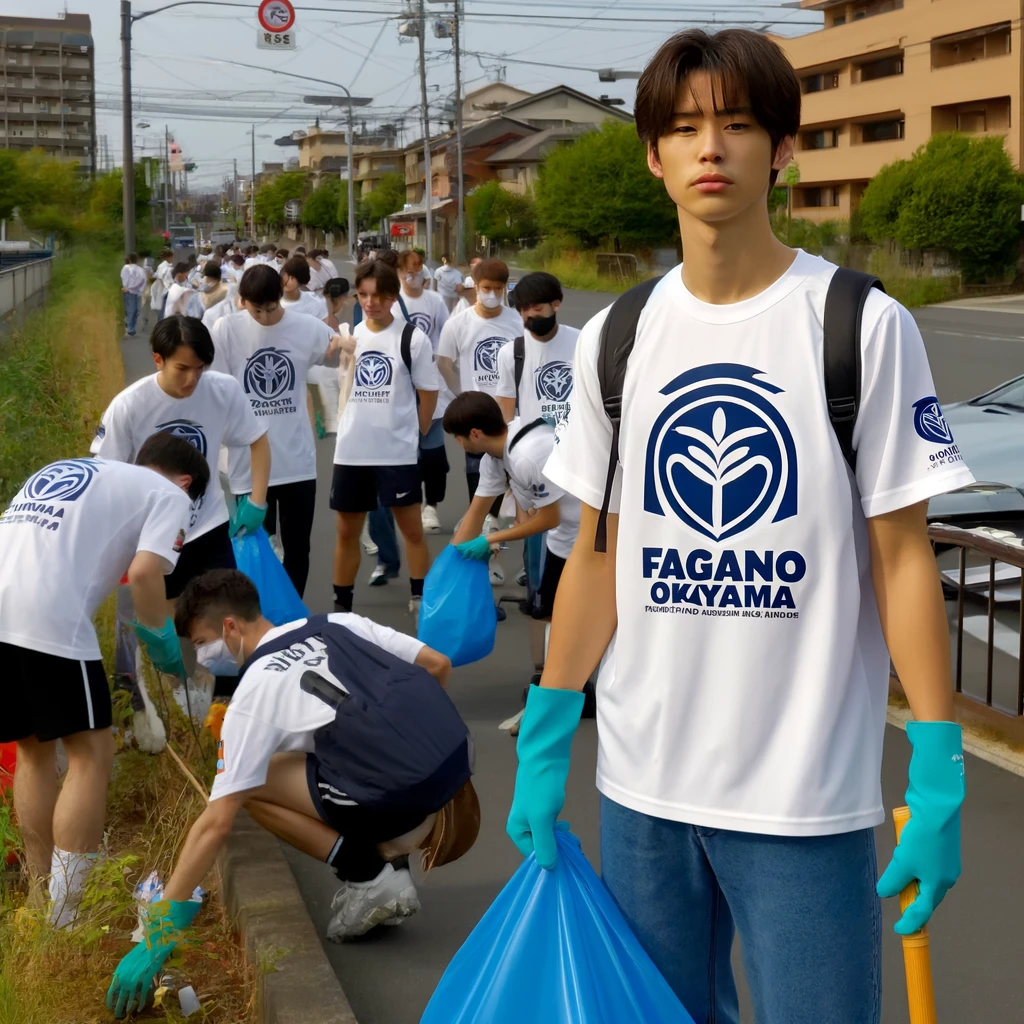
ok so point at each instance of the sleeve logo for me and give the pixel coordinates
(929, 422)
(179, 541)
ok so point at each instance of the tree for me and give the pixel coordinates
(388, 197)
(600, 187)
(959, 194)
(272, 195)
(12, 182)
(501, 215)
(321, 208)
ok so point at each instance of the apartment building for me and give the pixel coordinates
(883, 76)
(49, 96)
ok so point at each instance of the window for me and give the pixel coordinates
(971, 121)
(827, 138)
(884, 68)
(882, 131)
(818, 83)
(825, 195)
(965, 47)
(42, 132)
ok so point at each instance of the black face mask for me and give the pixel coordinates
(540, 325)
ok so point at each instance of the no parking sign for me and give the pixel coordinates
(277, 20)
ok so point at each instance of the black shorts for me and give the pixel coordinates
(211, 551)
(50, 697)
(544, 598)
(361, 488)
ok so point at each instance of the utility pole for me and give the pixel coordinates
(234, 198)
(128, 170)
(427, 175)
(351, 185)
(167, 179)
(252, 188)
(460, 242)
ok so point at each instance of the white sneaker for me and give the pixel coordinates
(277, 547)
(414, 611)
(360, 906)
(490, 524)
(497, 574)
(367, 541)
(431, 524)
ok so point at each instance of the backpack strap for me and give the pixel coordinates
(407, 355)
(518, 359)
(523, 431)
(617, 337)
(841, 353)
(314, 625)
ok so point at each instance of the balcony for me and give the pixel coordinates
(889, 129)
(967, 47)
(880, 67)
(979, 117)
(825, 138)
(816, 197)
(851, 163)
(860, 100)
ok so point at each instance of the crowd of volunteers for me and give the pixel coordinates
(695, 532)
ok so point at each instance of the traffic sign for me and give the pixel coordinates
(276, 15)
(275, 40)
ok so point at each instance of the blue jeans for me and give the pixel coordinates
(132, 303)
(805, 908)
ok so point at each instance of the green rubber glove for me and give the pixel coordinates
(545, 743)
(162, 646)
(133, 979)
(478, 548)
(929, 847)
(247, 517)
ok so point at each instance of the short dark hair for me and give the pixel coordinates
(212, 270)
(172, 332)
(474, 409)
(181, 267)
(163, 450)
(283, 253)
(268, 247)
(388, 256)
(297, 267)
(744, 62)
(491, 270)
(214, 595)
(301, 248)
(260, 284)
(336, 287)
(166, 254)
(535, 289)
(132, 257)
(406, 255)
(384, 275)
(237, 259)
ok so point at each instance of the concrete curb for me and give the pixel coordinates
(295, 983)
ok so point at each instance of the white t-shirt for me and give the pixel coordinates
(68, 537)
(448, 278)
(215, 413)
(252, 261)
(309, 303)
(530, 487)
(546, 386)
(318, 277)
(380, 425)
(133, 277)
(177, 299)
(271, 363)
(747, 683)
(272, 712)
(219, 309)
(328, 265)
(474, 342)
(428, 312)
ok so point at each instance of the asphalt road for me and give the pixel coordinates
(976, 933)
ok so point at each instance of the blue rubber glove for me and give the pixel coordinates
(929, 847)
(478, 548)
(545, 742)
(162, 646)
(247, 517)
(133, 979)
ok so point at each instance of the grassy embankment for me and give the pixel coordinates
(57, 374)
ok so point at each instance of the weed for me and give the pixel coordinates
(574, 268)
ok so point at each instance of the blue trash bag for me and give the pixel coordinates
(279, 600)
(457, 615)
(554, 948)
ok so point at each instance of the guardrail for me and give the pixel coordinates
(23, 287)
(994, 550)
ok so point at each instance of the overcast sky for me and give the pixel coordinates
(178, 62)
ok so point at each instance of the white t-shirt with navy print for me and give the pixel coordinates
(428, 312)
(473, 343)
(747, 682)
(217, 412)
(545, 390)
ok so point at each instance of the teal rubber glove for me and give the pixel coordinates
(162, 646)
(133, 979)
(929, 848)
(478, 548)
(247, 517)
(545, 743)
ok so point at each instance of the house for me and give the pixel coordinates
(516, 165)
(488, 100)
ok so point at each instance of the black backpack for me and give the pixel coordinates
(518, 359)
(844, 307)
(397, 743)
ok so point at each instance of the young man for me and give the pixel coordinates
(218, 297)
(180, 291)
(467, 289)
(207, 409)
(324, 259)
(306, 766)
(449, 280)
(162, 280)
(753, 584)
(133, 282)
(473, 339)
(394, 392)
(514, 455)
(269, 350)
(427, 311)
(319, 274)
(295, 278)
(66, 539)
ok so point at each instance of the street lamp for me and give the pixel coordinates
(612, 75)
(252, 183)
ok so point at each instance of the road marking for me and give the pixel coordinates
(961, 334)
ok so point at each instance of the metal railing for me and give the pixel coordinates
(23, 286)
(994, 550)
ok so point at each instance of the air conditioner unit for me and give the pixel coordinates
(409, 27)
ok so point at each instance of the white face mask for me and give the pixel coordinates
(414, 279)
(217, 659)
(489, 300)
